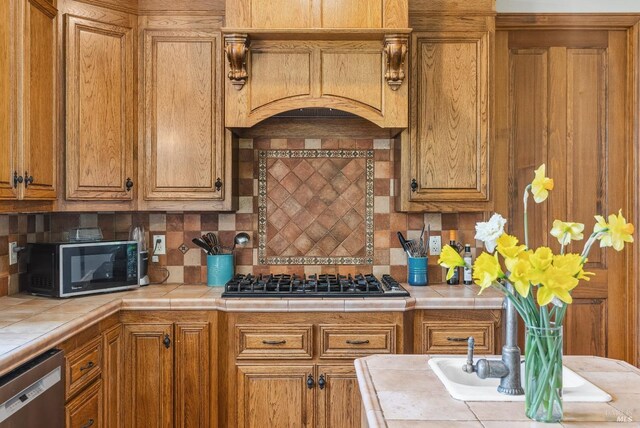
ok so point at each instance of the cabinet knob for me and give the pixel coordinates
(166, 341)
(310, 382)
(321, 382)
(414, 185)
(17, 179)
(28, 179)
(88, 424)
(128, 184)
(218, 184)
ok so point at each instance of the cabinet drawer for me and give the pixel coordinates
(276, 341)
(451, 338)
(82, 366)
(85, 410)
(340, 341)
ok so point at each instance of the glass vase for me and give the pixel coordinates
(543, 373)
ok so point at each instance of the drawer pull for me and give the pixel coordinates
(457, 339)
(274, 342)
(87, 367)
(357, 342)
(88, 424)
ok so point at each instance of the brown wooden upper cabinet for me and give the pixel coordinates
(444, 158)
(445, 155)
(28, 99)
(185, 157)
(99, 103)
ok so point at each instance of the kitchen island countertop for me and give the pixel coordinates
(30, 325)
(401, 391)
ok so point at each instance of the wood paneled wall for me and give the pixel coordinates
(567, 101)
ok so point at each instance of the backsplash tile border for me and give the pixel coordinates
(263, 155)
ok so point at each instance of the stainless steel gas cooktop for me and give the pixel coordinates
(284, 285)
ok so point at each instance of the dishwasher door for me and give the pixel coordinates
(33, 394)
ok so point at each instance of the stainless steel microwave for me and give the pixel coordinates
(74, 269)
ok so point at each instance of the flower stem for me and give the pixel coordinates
(526, 223)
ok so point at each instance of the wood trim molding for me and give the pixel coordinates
(565, 21)
(395, 49)
(236, 47)
(633, 260)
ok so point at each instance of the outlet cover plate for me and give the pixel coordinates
(435, 245)
(13, 256)
(159, 246)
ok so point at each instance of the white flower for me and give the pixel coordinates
(490, 231)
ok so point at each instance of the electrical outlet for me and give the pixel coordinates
(13, 256)
(159, 247)
(435, 245)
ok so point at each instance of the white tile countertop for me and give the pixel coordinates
(401, 391)
(30, 325)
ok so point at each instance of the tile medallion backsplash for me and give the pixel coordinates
(315, 207)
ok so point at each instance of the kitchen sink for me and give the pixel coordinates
(469, 387)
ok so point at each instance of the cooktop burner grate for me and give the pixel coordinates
(324, 285)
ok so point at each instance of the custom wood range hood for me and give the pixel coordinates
(342, 54)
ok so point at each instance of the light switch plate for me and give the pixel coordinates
(159, 247)
(13, 256)
(435, 245)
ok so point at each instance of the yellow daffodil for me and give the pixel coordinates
(541, 258)
(571, 264)
(615, 232)
(519, 276)
(567, 231)
(486, 270)
(508, 246)
(510, 262)
(556, 283)
(541, 185)
(450, 259)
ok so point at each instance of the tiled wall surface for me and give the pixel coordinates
(20, 228)
(186, 263)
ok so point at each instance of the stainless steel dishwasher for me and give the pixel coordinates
(33, 394)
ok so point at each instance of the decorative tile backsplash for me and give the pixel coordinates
(315, 207)
(20, 228)
(180, 228)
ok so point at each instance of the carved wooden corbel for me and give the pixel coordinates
(395, 47)
(236, 48)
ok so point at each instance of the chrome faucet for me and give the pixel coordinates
(507, 369)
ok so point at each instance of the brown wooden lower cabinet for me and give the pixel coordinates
(296, 369)
(148, 375)
(274, 396)
(160, 368)
(322, 395)
(85, 410)
(447, 331)
(338, 402)
(166, 375)
(112, 369)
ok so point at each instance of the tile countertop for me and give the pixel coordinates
(401, 391)
(30, 325)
